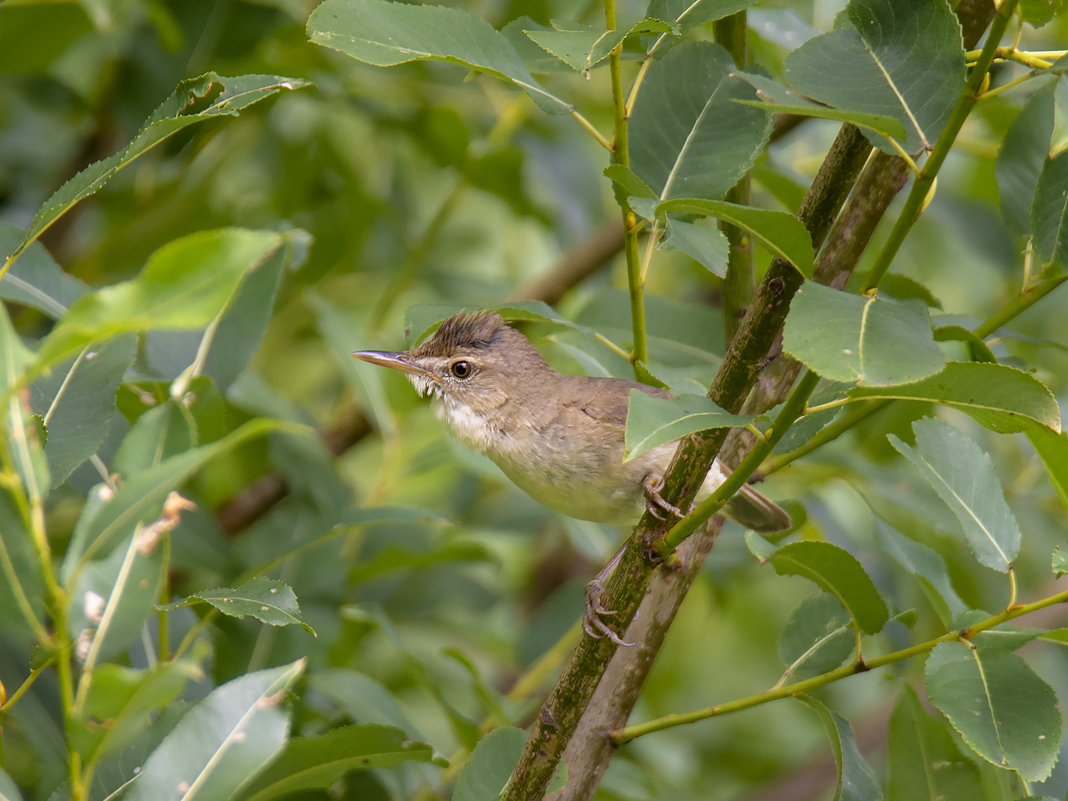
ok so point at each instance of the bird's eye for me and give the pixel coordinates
(461, 368)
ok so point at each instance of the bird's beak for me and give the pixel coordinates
(398, 361)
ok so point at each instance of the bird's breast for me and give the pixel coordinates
(559, 466)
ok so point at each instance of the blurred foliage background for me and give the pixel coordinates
(422, 185)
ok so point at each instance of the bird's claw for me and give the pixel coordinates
(656, 503)
(592, 620)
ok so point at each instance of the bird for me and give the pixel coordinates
(558, 437)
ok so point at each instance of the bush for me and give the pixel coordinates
(237, 564)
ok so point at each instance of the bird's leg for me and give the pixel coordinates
(592, 622)
(655, 502)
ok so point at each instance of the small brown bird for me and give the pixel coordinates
(558, 437)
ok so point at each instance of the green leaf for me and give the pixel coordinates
(582, 48)
(963, 476)
(872, 341)
(21, 428)
(114, 597)
(927, 566)
(399, 557)
(653, 421)
(702, 243)
(999, 397)
(1005, 636)
(223, 742)
(184, 285)
(1002, 709)
(1059, 636)
(782, 233)
(14, 357)
(193, 101)
(268, 600)
(21, 581)
(838, 572)
(537, 60)
(36, 280)
(361, 698)
(1059, 562)
(317, 761)
(925, 762)
(227, 346)
(690, 13)
(1052, 449)
(1023, 153)
(77, 403)
(903, 60)
(759, 546)
(159, 433)
(978, 350)
(904, 288)
(385, 34)
(8, 790)
(103, 524)
(1038, 13)
(818, 637)
(490, 766)
(777, 99)
(1049, 216)
(856, 779)
(626, 184)
(688, 138)
(121, 698)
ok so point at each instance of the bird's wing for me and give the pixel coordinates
(606, 399)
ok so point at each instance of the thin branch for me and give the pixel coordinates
(814, 683)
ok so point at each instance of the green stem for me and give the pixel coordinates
(1023, 301)
(621, 156)
(922, 186)
(828, 433)
(164, 598)
(30, 500)
(808, 685)
(636, 288)
(791, 409)
(739, 283)
(26, 684)
(8, 261)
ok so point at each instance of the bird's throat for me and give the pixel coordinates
(471, 427)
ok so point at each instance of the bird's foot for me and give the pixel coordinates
(656, 503)
(593, 618)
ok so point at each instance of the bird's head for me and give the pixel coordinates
(474, 361)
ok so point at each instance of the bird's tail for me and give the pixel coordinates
(758, 512)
